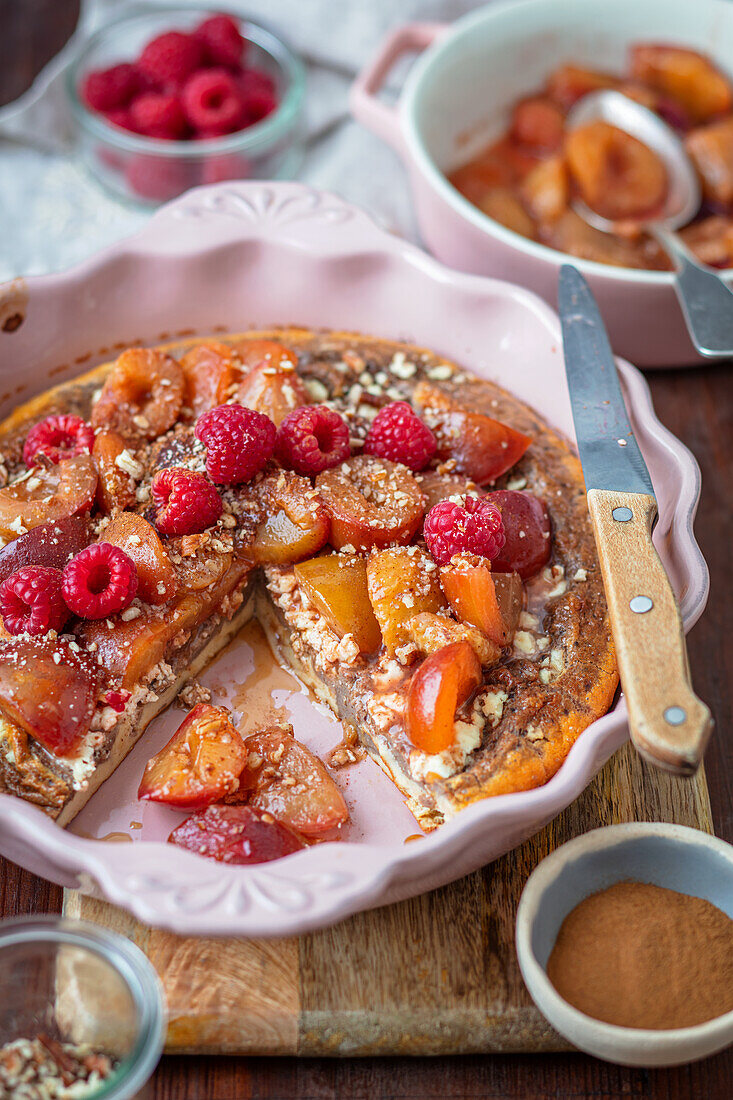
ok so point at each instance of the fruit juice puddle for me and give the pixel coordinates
(247, 678)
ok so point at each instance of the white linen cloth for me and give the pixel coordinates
(52, 214)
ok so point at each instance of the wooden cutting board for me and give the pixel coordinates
(434, 975)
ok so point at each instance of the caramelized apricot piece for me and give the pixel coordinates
(49, 689)
(371, 501)
(402, 582)
(433, 632)
(157, 580)
(711, 148)
(210, 372)
(236, 834)
(336, 584)
(271, 385)
(685, 76)
(477, 596)
(48, 494)
(49, 544)
(142, 395)
(570, 83)
(711, 240)
(545, 190)
(501, 204)
(482, 448)
(200, 764)
(538, 122)
(292, 784)
(436, 487)
(293, 522)
(197, 564)
(441, 684)
(572, 234)
(115, 487)
(617, 175)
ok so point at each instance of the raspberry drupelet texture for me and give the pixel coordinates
(186, 502)
(311, 439)
(31, 601)
(221, 40)
(99, 581)
(58, 437)
(475, 528)
(111, 89)
(238, 442)
(398, 433)
(158, 115)
(213, 103)
(171, 58)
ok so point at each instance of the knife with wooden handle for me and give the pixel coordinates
(669, 725)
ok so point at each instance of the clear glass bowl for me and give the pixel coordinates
(149, 171)
(81, 984)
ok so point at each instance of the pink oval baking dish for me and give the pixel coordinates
(456, 99)
(249, 254)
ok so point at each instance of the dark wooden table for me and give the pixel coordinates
(697, 405)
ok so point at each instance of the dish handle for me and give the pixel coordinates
(377, 116)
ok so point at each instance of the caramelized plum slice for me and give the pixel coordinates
(49, 689)
(441, 684)
(538, 122)
(528, 533)
(617, 175)
(490, 601)
(433, 632)
(501, 204)
(236, 834)
(371, 501)
(570, 83)
(336, 584)
(293, 522)
(142, 395)
(157, 580)
(403, 582)
(271, 385)
(482, 448)
(210, 372)
(50, 544)
(684, 76)
(200, 764)
(711, 148)
(116, 487)
(711, 240)
(436, 487)
(46, 495)
(292, 784)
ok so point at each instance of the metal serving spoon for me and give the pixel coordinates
(707, 301)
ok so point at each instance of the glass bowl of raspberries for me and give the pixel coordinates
(178, 97)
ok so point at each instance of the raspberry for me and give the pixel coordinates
(221, 40)
(171, 58)
(238, 442)
(158, 178)
(99, 581)
(257, 89)
(187, 503)
(228, 166)
(121, 117)
(110, 89)
(116, 699)
(31, 601)
(213, 103)
(158, 115)
(312, 438)
(58, 437)
(475, 528)
(398, 433)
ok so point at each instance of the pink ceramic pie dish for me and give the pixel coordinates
(244, 255)
(456, 99)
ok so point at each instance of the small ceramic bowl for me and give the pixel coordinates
(457, 98)
(148, 171)
(673, 856)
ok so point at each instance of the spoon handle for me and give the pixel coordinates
(707, 301)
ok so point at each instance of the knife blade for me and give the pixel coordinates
(669, 725)
(608, 449)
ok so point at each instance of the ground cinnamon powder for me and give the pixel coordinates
(641, 956)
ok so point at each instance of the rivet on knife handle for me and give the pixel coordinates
(669, 724)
